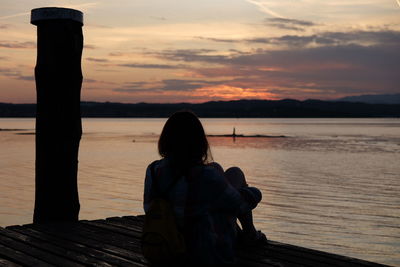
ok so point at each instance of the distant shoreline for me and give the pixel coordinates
(286, 108)
(246, 136)
(27, 132)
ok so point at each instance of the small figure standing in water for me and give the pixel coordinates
(206, 200)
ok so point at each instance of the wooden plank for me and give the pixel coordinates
(135, 225)
(139, 220)
(304, 257)
(95, 253)
(4, 262)
(116, 241)
(288, 254)
(19, 257)
(112, 238)
(296, 258)
(108, 227)
(87, 232)
(259, 255)
(125, 223)
(320, 256)
(44, 244)
(119, 225)
(263, 258)
(91, 241)
(123, 226)
(40, 253)
(265, 263)
(85, 254)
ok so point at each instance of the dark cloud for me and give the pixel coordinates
(351, 66)
(184, 85)
(321, 65)
(136, 85)
(283, 26)
(289, 24)
(382, 56)
(377, 56)
(132, 90)
(384, 37)
(133, 87)
(166, 85)
(325, 38)
(89, 46)
(152, 66)
(291, 21)
(220, 40)
(16, 74)
(25, 78)
(328, 69)
(117, 54)
(189, 55)
(8, 72)
(289, 40)
(341, 38)
(107, 70)
(86, 80)
(100, 60)
(18, 45)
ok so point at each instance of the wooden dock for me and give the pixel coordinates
(116, 242)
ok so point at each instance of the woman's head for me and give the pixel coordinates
(183, 140)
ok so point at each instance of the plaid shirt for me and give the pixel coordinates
(205, 206)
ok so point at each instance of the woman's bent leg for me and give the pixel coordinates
(237, 179)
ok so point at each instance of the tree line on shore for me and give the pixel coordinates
(287, 108)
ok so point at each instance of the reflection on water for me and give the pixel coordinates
(331, 185)
(347, 144)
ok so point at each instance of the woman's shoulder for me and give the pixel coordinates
(157, 163)
(155, 167)
(213, 167)
(213, 171)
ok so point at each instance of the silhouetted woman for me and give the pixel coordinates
(206, 200)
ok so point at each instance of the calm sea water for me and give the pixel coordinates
(332, 184)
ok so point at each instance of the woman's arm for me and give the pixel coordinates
(224, 198)
(148, 182)
(231, 199)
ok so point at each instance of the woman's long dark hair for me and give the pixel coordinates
(183, 141)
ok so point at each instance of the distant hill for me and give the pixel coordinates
(286, 108)
(373, 99)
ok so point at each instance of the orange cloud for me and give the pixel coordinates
(226, 92)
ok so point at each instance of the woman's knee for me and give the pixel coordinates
(235, 172)
(252, 195)
(236, 177)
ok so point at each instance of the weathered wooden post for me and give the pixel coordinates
(58, 77)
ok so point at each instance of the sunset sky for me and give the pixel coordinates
(196, 51)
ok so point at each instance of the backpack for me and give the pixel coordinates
(162, 241)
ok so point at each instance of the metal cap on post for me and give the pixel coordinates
(58, 77)
(49, 13)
